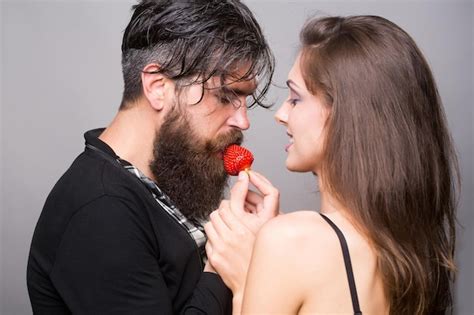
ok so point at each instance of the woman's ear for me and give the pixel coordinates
(154, 83)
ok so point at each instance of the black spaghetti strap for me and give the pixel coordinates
(348, 265)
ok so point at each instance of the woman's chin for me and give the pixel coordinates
(293, 167)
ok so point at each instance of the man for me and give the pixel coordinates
(121, 232)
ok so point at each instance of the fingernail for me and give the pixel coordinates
(242, 175)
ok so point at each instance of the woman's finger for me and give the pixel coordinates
(261, 183)
(254, 198)
(238, 193)
(218, 224)
(251, 208)
(271, 195)
(230, 219)
(260, 176)
(210, 232)
(208, 249)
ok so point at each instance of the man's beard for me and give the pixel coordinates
(189, 169)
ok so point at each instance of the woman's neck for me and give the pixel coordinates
(329, 204)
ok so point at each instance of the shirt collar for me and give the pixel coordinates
(92, 138)
(194, 228)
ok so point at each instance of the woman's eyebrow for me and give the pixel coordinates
(292, 86)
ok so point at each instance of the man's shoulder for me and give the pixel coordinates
(90, 177)
(91, 187)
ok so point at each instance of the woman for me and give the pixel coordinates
(365, 116)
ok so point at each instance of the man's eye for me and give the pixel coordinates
(225, 100)
(229, 99)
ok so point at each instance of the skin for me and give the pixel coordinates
(132, 132)
(233, 227)
(304, 115)
(296, 261)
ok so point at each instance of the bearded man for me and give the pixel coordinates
(121, 231)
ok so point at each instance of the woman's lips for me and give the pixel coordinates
(291, 142)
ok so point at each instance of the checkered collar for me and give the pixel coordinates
(193, 227)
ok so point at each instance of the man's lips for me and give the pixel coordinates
(220, 154)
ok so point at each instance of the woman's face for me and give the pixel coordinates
(304, 115)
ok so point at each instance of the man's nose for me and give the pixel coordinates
(239, 118)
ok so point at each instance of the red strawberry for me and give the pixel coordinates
(236, 159)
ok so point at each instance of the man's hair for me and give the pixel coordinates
(192, 41)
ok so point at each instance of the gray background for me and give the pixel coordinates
(60, 75)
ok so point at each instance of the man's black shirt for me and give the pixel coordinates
(103, 245)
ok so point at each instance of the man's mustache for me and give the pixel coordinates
(223, 141)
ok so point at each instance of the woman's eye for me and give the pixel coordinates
(293, 101)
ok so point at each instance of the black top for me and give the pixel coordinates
(103, 245)
(347, 264)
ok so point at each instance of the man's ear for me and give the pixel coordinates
(154, 86)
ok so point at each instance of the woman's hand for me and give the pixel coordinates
(230, 242)
(232, 228)
(259, 207)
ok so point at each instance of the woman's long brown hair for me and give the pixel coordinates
(389, 157)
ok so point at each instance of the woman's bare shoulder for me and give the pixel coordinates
(301, 233)
(295, 225)
(281, 264)
(304, 250)
(300, 246)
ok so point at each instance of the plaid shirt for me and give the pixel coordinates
(194, 228)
